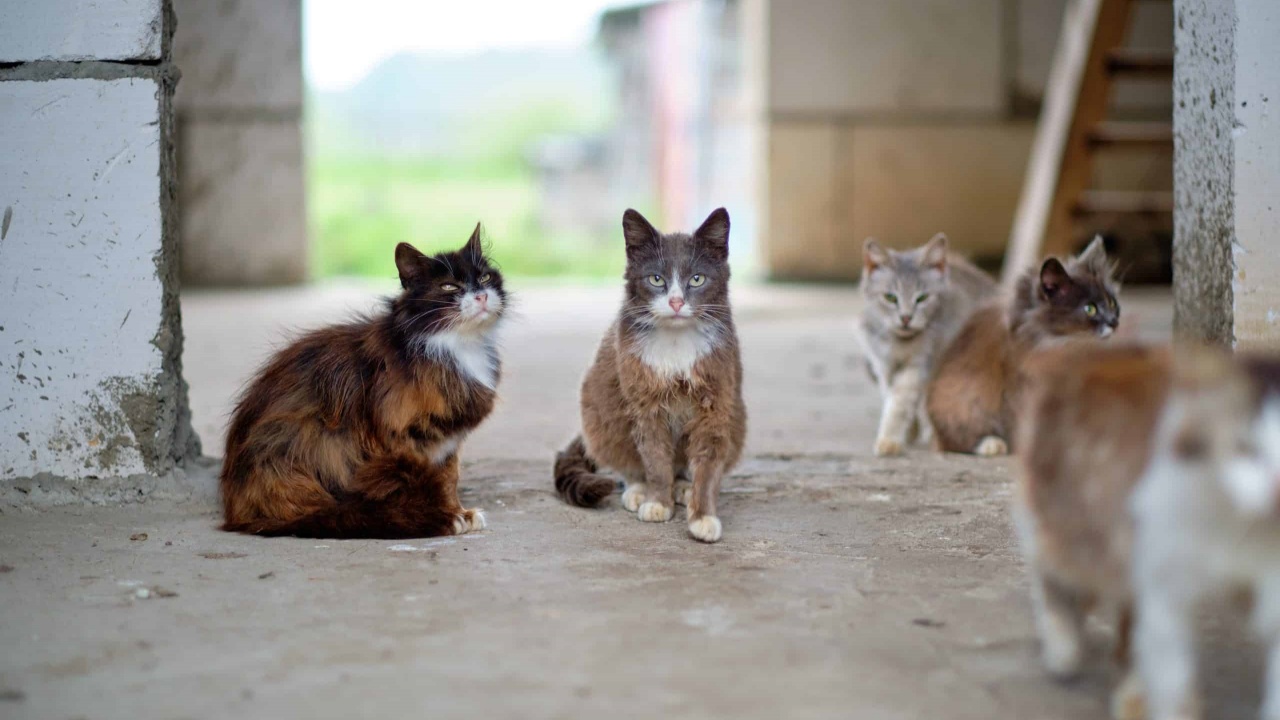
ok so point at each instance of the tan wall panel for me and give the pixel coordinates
(907, 183)
(800, 191)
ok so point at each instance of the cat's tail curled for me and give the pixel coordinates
(576, 478)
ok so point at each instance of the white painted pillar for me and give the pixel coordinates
(92, 402)
(1227, 172)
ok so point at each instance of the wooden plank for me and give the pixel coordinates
(1131, 134)
(1075, 101)
(1140, 62)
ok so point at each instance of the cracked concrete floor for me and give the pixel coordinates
(846, 585)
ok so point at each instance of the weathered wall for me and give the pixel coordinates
(240, 141)
(901, 118)
(92, 402)
(1227, 172)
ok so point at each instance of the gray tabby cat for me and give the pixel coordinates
(916, 301)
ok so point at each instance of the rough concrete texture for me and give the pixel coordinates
(90, 341)
(1204, 168)
(74, 30)
(846, 585)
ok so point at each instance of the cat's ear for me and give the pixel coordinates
(1054, 279)
(714, 231)
(935, 253)
(637, 231)
(1094, 257)
(409, 261)
(474, 246)
(873, 256)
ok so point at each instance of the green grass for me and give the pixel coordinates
(360, 208)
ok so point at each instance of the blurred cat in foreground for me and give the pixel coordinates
(1150, 481)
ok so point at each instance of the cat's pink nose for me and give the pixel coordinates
(906, 320)
(676, 303)
(483, 299)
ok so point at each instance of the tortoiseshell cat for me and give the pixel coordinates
(353, 431)
(664, 395)
(1150, 481)
(915, 303)
(973, 395)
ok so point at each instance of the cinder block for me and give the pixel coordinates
(85, 327)
(238, 55)
(243, 207)
(81, 30)
(908, 182)
(800, 235)
(878, 57)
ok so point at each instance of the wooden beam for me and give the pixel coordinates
(1075, 101)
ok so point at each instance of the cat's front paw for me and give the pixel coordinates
(468, 521)
(475, 519)
(706, 528)
(683, 492)
(991, 446)
(888, 447)
(633, 497)
(654, 511)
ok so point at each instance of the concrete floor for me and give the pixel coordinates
(846, 585)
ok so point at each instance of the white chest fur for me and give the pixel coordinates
(471, 353)
(672, 352)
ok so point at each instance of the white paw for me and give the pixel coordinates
(706, 528)
(653, 511)
(886, 447)
(633, 497)
(1128, 700)
(684, 492)
(475, 518)
(991, 446)
(1062, 655)
(460, 525)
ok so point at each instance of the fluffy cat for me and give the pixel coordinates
(1207, 519)
(1084, 437)
(663, 397)
(914, 304)
(973, 393)
(1149, 481)
(353, 431)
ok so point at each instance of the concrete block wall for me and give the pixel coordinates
(1227, 172)
(902, 118)
(240, 141)
(92, 401)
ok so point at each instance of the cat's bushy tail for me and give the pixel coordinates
(576, 478)
(407, 500)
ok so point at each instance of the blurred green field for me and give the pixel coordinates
(360, 208)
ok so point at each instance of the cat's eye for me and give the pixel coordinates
(891, 298)
(449, 287)
(697, 280)
(485, 278)
(1090, 310)
(922, 297)
(657, 281)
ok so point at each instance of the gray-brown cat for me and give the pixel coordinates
(915, 302)
(664, 395)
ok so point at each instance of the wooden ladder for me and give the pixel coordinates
(1073, 126)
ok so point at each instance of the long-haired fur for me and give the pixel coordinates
(353, 430)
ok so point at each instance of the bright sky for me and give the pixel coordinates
(343, 40)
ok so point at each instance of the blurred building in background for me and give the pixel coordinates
(902, 118)
(817, 123)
